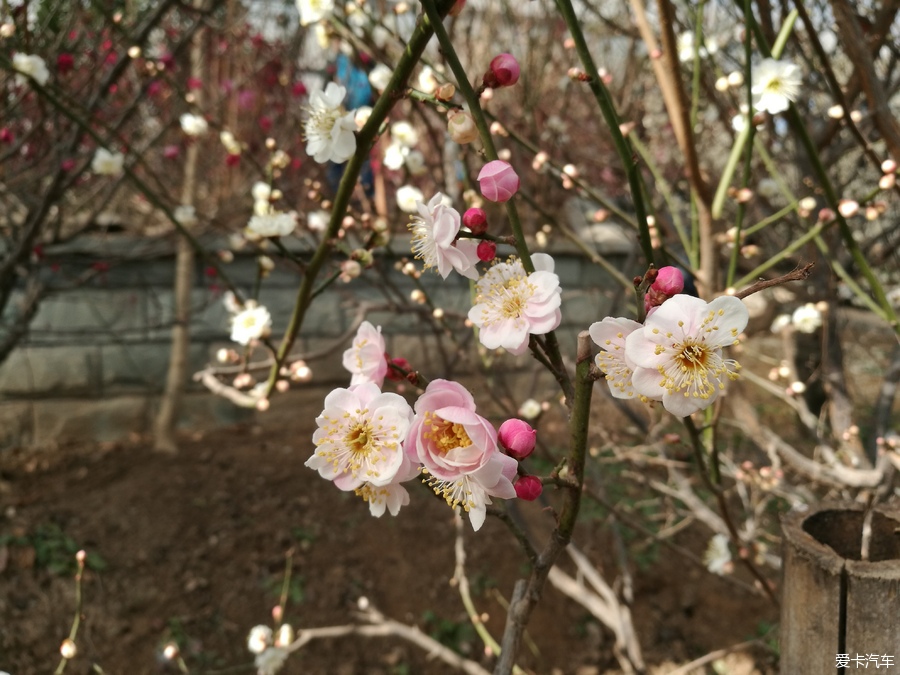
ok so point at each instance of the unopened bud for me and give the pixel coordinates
(476, 220)
(67, 649)
(445, 92)
(528, 488)
(848, 208)
(889, 166)
(461, 127)
(486, 251)
(517, 437)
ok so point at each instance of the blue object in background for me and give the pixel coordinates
(359, 93)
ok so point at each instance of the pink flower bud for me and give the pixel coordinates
(669, 280)
(486, 251)
(528, 488)
(498, 181)
(517, 437)
(461, 127)
(476, 220)
(503, 71)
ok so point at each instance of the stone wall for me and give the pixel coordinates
(95, 357)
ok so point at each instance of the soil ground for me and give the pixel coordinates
(193, 550)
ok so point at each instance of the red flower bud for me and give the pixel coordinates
(528, 488)
(475, 220)
(487, 251)
(398, 369)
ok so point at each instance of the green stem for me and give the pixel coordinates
(365, 139)
(434, 19)
(741, 140)
(607, 108)
(831, 196)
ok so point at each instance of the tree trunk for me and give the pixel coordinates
(167, 416)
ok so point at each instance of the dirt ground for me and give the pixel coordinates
(192, 548)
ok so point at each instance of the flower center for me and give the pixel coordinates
(445, 436)
(692, 356)
(359, 439)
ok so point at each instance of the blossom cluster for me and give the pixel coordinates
(371, 442)
(675, 356)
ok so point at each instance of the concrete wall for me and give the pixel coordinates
(95, 358)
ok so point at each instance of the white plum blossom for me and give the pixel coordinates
(365, 359)
(193, 125)
(530, 409)
(781, 322)
(30, 65)
(404, 133)
(678, 351)
(271, 660)
(426, 81)
(329, 129)
(415, 163)
(106, 163)
(230, 143)
(775, 85)
(259, 639)
(408, 198)
(718, 555)
(686, 47)
(610, 335)
(395, 156)
(317, 221)
(313, 11)
(434, 233)
(186, 215)
(380, 76)
(261, 191)
(807, 318)
(250, 324)
(359, 437)
(231, 303)
(512, 305)
(392, 497)
(272, 224)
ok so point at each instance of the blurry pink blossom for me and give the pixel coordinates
(365, 358)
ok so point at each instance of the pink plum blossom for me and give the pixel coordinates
(359, 437)
(365, 359)
(610, 335)
(677, 353)
(512, 305)
(434, 233)
(458, 448)
(498, 181)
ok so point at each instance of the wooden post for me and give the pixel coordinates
(833, 601)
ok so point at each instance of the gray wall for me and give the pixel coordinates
(95, 357)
